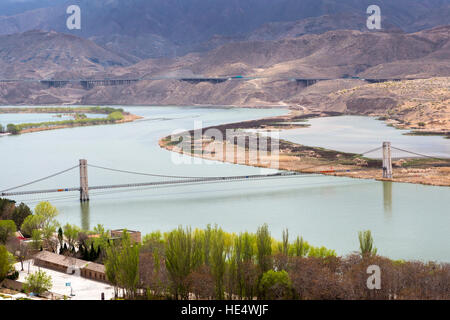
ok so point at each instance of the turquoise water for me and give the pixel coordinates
(407, 221)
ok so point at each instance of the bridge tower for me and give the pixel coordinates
(84, 187)
(387, 161)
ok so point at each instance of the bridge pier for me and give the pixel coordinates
(387, 161)
(84, 187)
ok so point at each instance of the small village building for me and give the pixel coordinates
(61, 263)
(94, 271)
(57, 262)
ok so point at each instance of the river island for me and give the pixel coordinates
(78, 117)
(301, 158)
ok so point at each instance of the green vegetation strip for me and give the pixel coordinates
(100, 110)
(114, 115)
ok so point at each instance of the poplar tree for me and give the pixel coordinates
(264, 246)
(218, 256)
(179, 260)
(128, 265)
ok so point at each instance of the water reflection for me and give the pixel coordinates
(85, 215)
(387, 198)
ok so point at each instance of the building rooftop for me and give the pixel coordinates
(59, 259)
(95, 267)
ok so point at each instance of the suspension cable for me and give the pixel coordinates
(370, 151)
(420, 155)
(150, 174)
(41, 179)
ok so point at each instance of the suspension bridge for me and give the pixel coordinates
(174, 180)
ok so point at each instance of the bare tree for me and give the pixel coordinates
(19, 249)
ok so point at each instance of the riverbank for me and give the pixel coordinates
(300, 158)
(126, 118)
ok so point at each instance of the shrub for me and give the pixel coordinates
(6, 262)
(115, 116)
(13, 129)
(275, 285)
(366, 243)
(7, 230)
(38, 282)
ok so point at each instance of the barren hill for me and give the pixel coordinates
(332, 54)
(40, 55)
(337, 54)
(142, 29)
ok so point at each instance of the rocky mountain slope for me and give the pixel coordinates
(41, 55)
(162, 28)
(337, 55)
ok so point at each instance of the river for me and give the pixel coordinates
(407, 221)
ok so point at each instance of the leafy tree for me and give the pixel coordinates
(47, 212)
(112, 267)
(101, 242)
(115, 116)
(207, 243)
(71, 234)
(218, 260)
(246, 272)
(321, 252)
(129, 265)
(43, 219)
(6, 262)
(37, 239)
(275, 285)
(366, 244)
(179, 249)
(7, 230)
(30, 224)
(9, 211)
(13, 129)
(152, 269)
(38, 282)
(99, 229)
(264, 245)
(284, 246)
(48, 237)
(1, 129)
(20, 214)
(122, 265)
(7, 208)
(300, 248)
